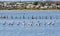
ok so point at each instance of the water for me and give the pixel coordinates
(20, 30)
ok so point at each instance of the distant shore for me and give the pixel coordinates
(29, 8)
(30, 5)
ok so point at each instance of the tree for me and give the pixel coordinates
(42, 3)
(35, 3)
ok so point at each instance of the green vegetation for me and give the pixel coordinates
(14, 8)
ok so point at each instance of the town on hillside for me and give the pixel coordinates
(29, 5)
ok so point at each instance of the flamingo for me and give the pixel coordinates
(38, 23)
(53, 23)
(18, 23)
(45, 24)
(23, 23)
(49, 23)
(11, 24)
(30, 24)
(4, 23)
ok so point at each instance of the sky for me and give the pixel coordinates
(28, 0)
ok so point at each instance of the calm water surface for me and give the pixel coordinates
(20, 30)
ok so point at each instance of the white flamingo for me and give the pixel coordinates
(4, 23)
(53, 23)
(23, 23)
(49, 23)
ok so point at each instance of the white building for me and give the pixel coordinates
(58, 6)
(30, 6)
